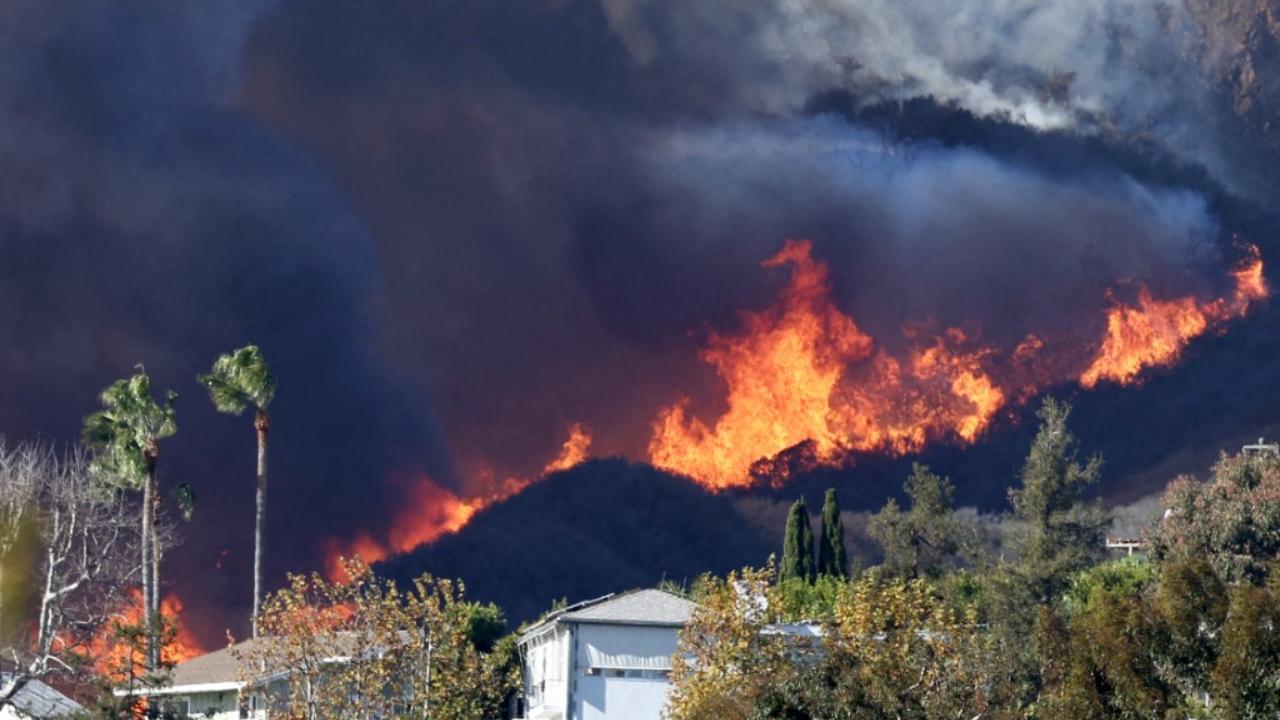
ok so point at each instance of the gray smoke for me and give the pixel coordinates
(1097, 66)
(457, 227)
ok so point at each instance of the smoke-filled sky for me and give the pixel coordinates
(458, 227)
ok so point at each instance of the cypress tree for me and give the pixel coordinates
(832, 558)
(797, 544)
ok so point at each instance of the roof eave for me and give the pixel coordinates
(188, 689)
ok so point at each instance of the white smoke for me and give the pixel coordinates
(1093, 65)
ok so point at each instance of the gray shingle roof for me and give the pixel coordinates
(637, 607)
(219, 666)
(40, 701)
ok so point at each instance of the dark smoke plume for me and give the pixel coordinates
(143, 220)
(458, 227)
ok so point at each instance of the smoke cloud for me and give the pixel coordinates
(457, 228)
(142, 220)
(1139, 69)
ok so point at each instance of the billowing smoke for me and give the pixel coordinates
(952, 236)
(458, 228)
(142, 220)
(1139, 69)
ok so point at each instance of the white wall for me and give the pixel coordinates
(641, 652)
(224, 705)
(547, 673)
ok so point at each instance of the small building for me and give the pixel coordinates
(36, 701)
(608, 658)
(208, 686)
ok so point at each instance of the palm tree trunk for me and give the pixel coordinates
(148, 495)
(262, 424)
(156, 555)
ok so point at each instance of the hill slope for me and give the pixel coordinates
(600, 527)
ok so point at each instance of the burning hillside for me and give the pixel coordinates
(803, 371)
(1153, 332)
(432, 511)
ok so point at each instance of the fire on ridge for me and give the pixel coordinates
(803, 372)
(432, 510)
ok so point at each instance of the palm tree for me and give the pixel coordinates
(125, 436)
(239, 379)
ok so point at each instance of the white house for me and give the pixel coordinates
(603, 659)
(207, 686)
(36, 701)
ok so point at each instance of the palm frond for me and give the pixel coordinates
(130, 421)
(238, 379)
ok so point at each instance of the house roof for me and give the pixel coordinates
(38, 700)
(216, 667)
(220, 670)
(636, 607)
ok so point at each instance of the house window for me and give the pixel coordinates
(634, 673)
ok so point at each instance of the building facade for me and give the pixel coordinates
(608, 658)
(208, 686)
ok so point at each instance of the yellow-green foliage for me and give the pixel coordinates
(407, 654)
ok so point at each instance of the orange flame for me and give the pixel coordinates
(108, 655)
(804, 371)
(433, 511)
(1153, 332)
(803, 376)
(574, 450)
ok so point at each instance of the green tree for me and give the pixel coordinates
(1100, 661)
(408, 653)
(797, 544)
(727, 664)
(833, 561)
(1057, 532)
(896, 650)
(924, 539)
(125, 435)
(1246, 679)
(239, 379)
(1127, 576)
(1192, 602)
(1233, 520)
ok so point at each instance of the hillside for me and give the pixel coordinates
(600, 527)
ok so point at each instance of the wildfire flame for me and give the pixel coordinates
(433, 511)
(804, 371)
(803, 375)
(1153, 332)
(574, 450)
(108, 654)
